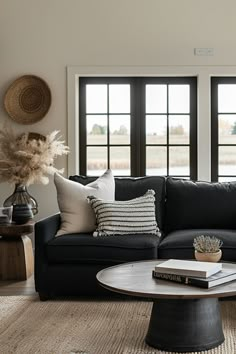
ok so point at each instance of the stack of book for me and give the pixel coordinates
(201, 274)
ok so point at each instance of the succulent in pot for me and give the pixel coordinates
(207, 248)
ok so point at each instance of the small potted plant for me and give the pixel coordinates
(207, 248)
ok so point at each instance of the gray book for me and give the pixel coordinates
(224, 276)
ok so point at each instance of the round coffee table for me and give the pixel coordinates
(184, 318)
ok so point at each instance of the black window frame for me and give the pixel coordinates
(215, 81)
(137, 138)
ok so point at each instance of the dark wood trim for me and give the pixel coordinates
(214, 129)
(193, 129)
(141, 99)
(215, 81)
(135, 130)
(82, 127)
(167, 135)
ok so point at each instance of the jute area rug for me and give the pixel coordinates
(65, 326)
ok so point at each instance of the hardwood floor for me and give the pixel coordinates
(16, 287)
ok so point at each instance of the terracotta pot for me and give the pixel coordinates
(208, 257)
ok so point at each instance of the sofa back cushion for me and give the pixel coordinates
(132, 187)
(195, 205)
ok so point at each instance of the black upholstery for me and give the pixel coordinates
(194, 205)
(45, 230)
(84, 248)
(68, 264)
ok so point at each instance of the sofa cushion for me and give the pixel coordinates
(132, 187)
(125, 217)
(179, 244)
(76, 213)
(103, 250)
(192, 205)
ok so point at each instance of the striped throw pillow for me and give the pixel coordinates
(135, 216)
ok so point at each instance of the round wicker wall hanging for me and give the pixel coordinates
(28, 99)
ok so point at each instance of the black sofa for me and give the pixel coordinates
(68, 264)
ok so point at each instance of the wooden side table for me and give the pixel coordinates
(16, 252)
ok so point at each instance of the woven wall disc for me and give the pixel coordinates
(28, 99)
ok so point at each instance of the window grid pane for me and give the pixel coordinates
(121, 105)
(156, 160)
(156, 99)
(156, 129)
(179, 98)
(96, 127)
(227, 160)
(227, 98)
(179, 161)
(96, 160)
(96, 99)
(179, 129)
(119, 129)
(120, 160)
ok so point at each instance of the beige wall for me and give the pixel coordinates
(44, 37)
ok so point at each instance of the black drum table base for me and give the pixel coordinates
(185, 325)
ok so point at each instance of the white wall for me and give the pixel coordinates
(44, 37)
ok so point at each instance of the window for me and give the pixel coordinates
(138, 126)
(223, 128)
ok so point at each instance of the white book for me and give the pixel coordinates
(188, 268)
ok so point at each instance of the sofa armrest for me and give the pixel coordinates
(45, 230)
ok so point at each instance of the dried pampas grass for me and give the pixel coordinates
(29, 157)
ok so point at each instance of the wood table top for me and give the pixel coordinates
(14, 230)
(136, 279)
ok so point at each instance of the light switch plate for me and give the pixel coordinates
(204, 51)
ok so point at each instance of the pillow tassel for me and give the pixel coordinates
(99, 233)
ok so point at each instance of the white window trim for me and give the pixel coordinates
(203, 74)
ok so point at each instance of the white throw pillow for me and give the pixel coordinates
(135, 216)
(77, 214)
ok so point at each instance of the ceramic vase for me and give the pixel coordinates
(21, 196)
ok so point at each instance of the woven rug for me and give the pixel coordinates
(28, 326)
